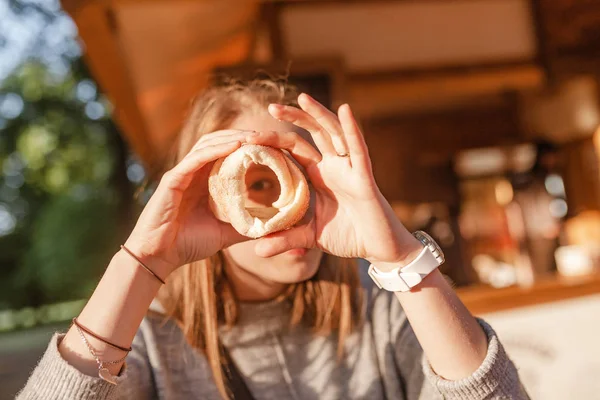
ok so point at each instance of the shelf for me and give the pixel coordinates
(485, 299)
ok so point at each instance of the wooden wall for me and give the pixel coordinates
(412, 154)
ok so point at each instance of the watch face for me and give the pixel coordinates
(430, 244)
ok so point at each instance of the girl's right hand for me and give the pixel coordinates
(177, 225)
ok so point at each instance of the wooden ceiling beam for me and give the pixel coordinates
(150, 112)
(373, 96)
(103, 56)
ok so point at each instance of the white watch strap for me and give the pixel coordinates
(403, 279)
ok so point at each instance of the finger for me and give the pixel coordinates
(229, 236)
(299, 148)
(182, 174)
(222, 137)
(326, 119)
(221, 132)
(303, 120)
(280, 242)
(357, 147)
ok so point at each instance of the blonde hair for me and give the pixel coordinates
(198, 296)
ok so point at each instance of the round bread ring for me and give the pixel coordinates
(226, 186)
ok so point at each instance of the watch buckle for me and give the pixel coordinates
(411, 279)
(373, 276)
(402, 282)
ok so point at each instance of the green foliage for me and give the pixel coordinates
(70, 245)
(58, 201)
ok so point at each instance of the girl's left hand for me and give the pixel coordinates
(351, 218)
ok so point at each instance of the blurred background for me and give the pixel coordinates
(481, 116)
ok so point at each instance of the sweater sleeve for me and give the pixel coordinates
(55, 378)
(496, 377)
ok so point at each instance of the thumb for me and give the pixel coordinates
(280, 242)
(229, 236)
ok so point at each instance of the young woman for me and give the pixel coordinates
(287, 309)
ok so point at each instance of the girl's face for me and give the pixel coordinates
(244, 267)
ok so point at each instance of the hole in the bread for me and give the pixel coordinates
(262, 190)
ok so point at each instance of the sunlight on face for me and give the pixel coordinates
(262, 189)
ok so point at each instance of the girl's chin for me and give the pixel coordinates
(293, 273)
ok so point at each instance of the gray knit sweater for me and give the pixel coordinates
(383, 361)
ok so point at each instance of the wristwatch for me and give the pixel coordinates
(402, 279)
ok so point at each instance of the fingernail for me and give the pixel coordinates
(345, 106)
